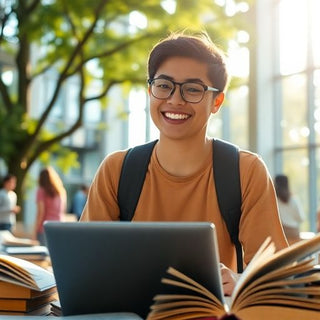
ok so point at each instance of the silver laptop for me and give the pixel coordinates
(117, 266)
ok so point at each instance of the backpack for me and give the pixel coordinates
(227, 183)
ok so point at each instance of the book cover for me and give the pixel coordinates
(275, 285)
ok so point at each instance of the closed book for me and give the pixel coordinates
(56, 308)
(28, 253)
(25, 305)
(43, 310)
(11, 290)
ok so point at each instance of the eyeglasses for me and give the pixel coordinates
(192, 92)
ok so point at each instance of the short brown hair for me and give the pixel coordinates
(198, 47)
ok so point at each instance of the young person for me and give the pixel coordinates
(79, 200)
(51, 201)
(290, 209)
(187, 81)
(8, 203)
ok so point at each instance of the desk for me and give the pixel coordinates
(98, 316)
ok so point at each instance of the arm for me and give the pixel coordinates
(260, 217)
(40, 196)
(39, 218)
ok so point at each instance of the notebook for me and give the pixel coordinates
(103, 267)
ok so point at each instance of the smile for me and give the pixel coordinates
(176, 116)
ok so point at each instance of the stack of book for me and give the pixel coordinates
(24, 248)
(25, 288)
(56, 309)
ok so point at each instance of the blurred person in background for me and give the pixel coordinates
(79, 200)
(51, 201)
(290, 209)
(8, 203)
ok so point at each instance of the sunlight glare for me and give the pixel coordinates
(238, 60)
(293, 35)
(315, 9)
(138, 20)
(169, 5)
(7, 77)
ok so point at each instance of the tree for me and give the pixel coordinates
(67, 37)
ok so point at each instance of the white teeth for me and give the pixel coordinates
(176, 116)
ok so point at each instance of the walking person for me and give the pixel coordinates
(8, 203)
(51, 201)
(290, 209)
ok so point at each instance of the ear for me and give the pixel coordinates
(217, 102)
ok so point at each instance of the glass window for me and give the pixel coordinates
(293, 123)
(239, 125)
(72, 93)
(293, 38)
(318, 175)
(315, 27)
(296, 166)
(316, 114)
(298, 103)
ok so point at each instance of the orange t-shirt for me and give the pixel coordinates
(193, 198)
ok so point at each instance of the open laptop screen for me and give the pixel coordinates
(118, 266)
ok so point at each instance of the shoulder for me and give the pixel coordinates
(251, 161)
(254, 174)
(108, 173)
(113, 161)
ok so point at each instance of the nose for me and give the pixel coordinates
(176, 96)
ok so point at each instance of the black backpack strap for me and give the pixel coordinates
(228, 189)
(133, 173)
(227, 182)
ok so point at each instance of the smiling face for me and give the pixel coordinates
(174, 117)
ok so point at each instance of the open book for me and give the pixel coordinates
(283, 285)
(25, 273)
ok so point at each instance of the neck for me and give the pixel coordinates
(182, 158)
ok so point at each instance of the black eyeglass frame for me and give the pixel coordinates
(204, 86)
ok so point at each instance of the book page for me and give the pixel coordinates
(25, 272)
(281, 277)
(265, 261)
(187, 306)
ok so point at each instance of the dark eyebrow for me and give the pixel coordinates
(164, 76)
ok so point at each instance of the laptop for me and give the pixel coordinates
(103, 267)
